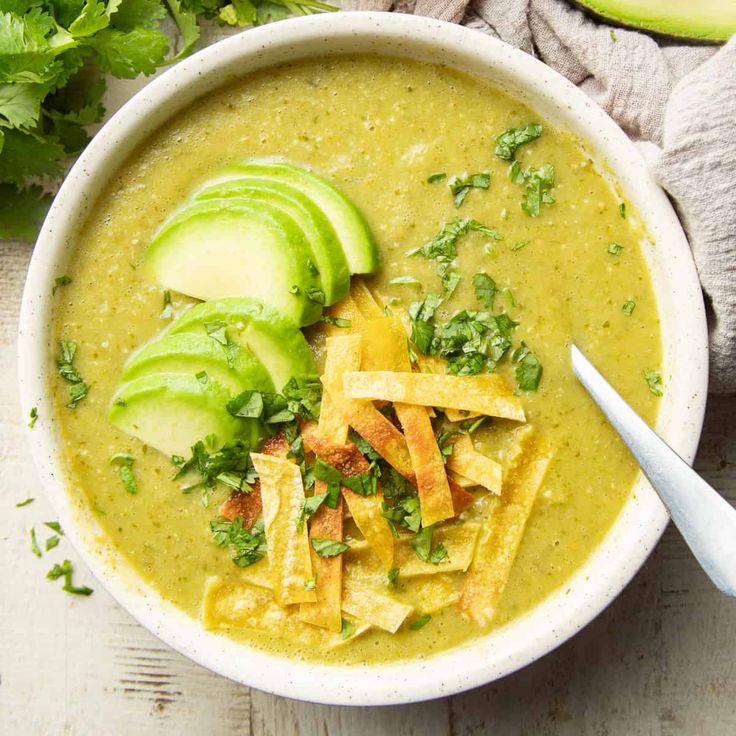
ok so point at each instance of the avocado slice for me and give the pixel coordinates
(233, 247)
(173, 411)
(351, 227)
(711, 20)
(232, 366)
(278, 342)
(329, 255)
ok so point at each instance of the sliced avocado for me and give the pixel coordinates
(330, 259)
(352, 230)
(278, 342)
(172, 411)
(232, 366)
(707, 20)
(233, 247)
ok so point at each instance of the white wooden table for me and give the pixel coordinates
(661, 660)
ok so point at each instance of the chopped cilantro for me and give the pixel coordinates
(301, 396)
(537, 185)
(309, 506)
(54, 526)
(528, 368)
(629, 307)
(392, 577)
(510, 140)
(78, 389)
(33, 417)
(52, 541)
(248, 546)
(450, 280)
(331, 476)
(433, 178)
(615, 249)
(328, 547)
(654, 381)
(168, 311)
(60, 281)
(418, 623)
(470, 425)
(460, 187)
(24, 503)
(336, 321)
(65, 570)
(347, 629)
(422, 543)
(485, 289)
(446, 443)
(315, 294)
(34, 544)
(612, 34)
(622, 210)
(125, 467)
(231, 465)
(521, 244)
(438, 554)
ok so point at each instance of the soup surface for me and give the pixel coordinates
(379, 129)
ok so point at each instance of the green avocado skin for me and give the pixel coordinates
(695, 20)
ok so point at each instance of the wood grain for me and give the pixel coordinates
(660, 661)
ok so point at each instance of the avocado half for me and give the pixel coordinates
(696, 20)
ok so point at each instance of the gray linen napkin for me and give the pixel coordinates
(680, 100)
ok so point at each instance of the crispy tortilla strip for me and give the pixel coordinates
(385, 348)
(231, 604)
(475, 466)
(432, 593)
(247, 505)
(325, 524)
(282, 495)
(365, 510)
(486, 393)
(497, 548)
(344, 352)
(364, 299)
(461, 499)
(369, 603)
(459, 541)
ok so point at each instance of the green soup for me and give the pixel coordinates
(378, 128)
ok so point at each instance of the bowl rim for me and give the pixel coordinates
(640, 523)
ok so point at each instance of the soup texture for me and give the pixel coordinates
(415, 148)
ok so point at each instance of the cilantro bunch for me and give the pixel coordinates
(54, 55)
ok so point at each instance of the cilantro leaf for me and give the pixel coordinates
(78, 389)
(125, 463)
(21, 210)
(419, 622)
(65, 570)
(510, 140)
(328, 547)
(24, 503)
(392, 577)
(34, 544)
(434, 178)
(654, 381)
(309, 506)
(422, 543)
(615, 249)
(485, 289)
(461, 186)
(347, 629)
(248, 546)
(32, 417)
(537, 184)
(528, 368)
(629, 307)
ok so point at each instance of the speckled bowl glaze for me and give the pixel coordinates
(643, 518)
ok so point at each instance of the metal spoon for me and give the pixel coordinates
(705, 519)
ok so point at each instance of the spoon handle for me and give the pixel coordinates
(705, 519)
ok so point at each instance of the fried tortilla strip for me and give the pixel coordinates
(364, 599)
(325, 524)
(240, 605)
(282, 495)
(466, 461)
(343, 353)
(432, 593)
(461, 499)
(497, 547)
(364, 299)
(486, 393)
(459, 541)
(385, 347)
(365, 510)
(247, 505)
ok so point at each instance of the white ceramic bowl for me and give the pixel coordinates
(643, 518)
